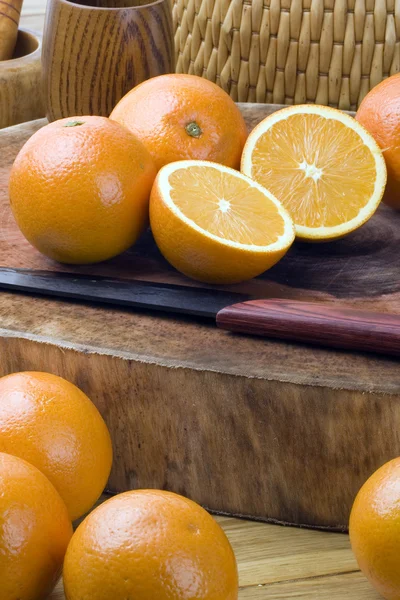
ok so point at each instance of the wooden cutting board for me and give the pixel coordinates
(244, 426)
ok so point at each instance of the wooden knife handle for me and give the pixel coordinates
(322, 324)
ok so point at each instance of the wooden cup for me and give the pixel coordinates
(94, 54)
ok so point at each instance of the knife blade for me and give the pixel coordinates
(200, 302)
(324, 324)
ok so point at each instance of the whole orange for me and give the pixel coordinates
(379, 112)
(180, 117)
(34, 531)
(375, 529)
(52, 424)
(150, 545)
(79, 189)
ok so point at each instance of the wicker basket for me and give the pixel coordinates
(289, 51)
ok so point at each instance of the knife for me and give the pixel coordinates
(292, 320)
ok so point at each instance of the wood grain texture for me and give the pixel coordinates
(93, 54)
(315, 323)
(286, 432)
(279, 563)
(20, 81)
(10, 12)
(269, 450)
(352, 586)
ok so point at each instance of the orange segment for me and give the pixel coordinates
(214, 224)
(326, 169)
(225, 206)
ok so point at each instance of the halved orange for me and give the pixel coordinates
(324, 167)
(216, 225)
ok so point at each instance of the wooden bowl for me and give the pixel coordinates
(21, 97)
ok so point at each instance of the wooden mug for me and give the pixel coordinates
(95, 51)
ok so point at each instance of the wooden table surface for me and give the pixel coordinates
(278, 563)
(275, 563)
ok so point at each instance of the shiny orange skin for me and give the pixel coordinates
(53, 425)
(150, 545)
(158, 111)
(34, 531)
(80, 193)
(379, 112)
(375, 529)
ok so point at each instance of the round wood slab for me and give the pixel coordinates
(245, 426)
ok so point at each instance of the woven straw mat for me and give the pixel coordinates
(289, 51)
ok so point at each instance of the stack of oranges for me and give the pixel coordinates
(223, 206)
(55, 459)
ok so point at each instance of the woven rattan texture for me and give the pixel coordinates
(289, 51)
